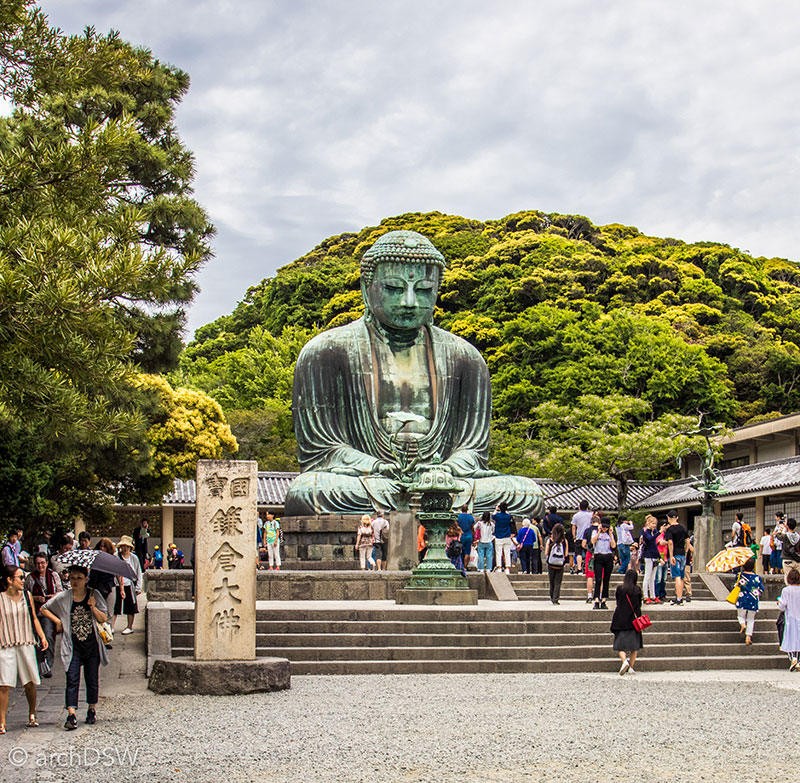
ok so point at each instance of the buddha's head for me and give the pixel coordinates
(400, 276)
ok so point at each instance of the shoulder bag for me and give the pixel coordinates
(641, 621)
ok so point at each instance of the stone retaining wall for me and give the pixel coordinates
(330, 537)
(304, 586)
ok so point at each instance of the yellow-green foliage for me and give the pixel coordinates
(191, 426)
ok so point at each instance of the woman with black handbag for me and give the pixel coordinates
(627, 640)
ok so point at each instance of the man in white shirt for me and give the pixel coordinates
(624, 541)
(581, 521)
(765, 549)
(380, 532)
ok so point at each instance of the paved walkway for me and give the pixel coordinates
(124, 676)
(399, 727)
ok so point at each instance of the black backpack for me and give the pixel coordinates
(792, 551)
(454, 549)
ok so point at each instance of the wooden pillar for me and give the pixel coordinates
(167, 530)
(80, 526)
(753, 456)
(759, 531)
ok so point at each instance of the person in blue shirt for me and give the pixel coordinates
(551, 519)
(467, 524)
(750, 588)
(503, 536)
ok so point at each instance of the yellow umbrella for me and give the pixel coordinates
(728, 559)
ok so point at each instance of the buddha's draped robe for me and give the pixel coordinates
(341, 441)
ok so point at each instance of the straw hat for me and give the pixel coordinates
(126, 541)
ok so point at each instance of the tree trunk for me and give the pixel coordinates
(622, 494)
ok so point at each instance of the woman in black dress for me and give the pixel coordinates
(627, 640)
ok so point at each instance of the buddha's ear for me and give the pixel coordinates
(367, 310)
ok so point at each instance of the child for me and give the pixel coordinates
(158, 558)
(750, 588)
(789, 602)
(634, 564)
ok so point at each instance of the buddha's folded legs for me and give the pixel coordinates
(330, 493)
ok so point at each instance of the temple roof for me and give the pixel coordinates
(742, 482)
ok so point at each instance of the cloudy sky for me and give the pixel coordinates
(308, 118)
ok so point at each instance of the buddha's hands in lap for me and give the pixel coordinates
(388, 469)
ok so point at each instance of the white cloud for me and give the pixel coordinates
(311, 118)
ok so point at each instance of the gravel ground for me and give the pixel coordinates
(572, 728)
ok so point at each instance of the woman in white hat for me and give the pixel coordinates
(127, 590)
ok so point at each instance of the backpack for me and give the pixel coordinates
(746, 535)
(556, 558)
(454, 549)
(792, 551)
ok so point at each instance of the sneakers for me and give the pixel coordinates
(631, 670)
(656, 600)
(588, 599)
(648, 600)
(624, 668)
(688, 599)
(556, 603)
(603, 605)
(71, 722)
(91, 716)
(794, 665)
(596, 605)
(677, 602)
(126, 631)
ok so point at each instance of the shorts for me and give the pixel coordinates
(126, 603)
(18, 663)
(466, 546)
(678, 571)
(379, 551)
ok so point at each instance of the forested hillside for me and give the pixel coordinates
(619, 326)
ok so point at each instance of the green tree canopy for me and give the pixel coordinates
(560, 309)
(100, 240)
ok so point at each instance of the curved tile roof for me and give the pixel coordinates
(747, 480)
(272, 487)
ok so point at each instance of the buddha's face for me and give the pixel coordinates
(401, 295)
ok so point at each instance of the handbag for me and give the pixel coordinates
(733, 596)
(106, 633)
(642, 621)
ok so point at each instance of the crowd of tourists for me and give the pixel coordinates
(41, 598)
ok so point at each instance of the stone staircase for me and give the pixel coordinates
(534, 587)
(392, 640)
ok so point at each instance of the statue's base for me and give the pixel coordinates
(219, 678)
(436, 597)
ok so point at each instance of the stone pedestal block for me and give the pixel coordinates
(437, 597)
(220, 678)
(707, 540)
(402, 554)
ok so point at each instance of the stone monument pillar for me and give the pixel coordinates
(225, 594)
(225, 560)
